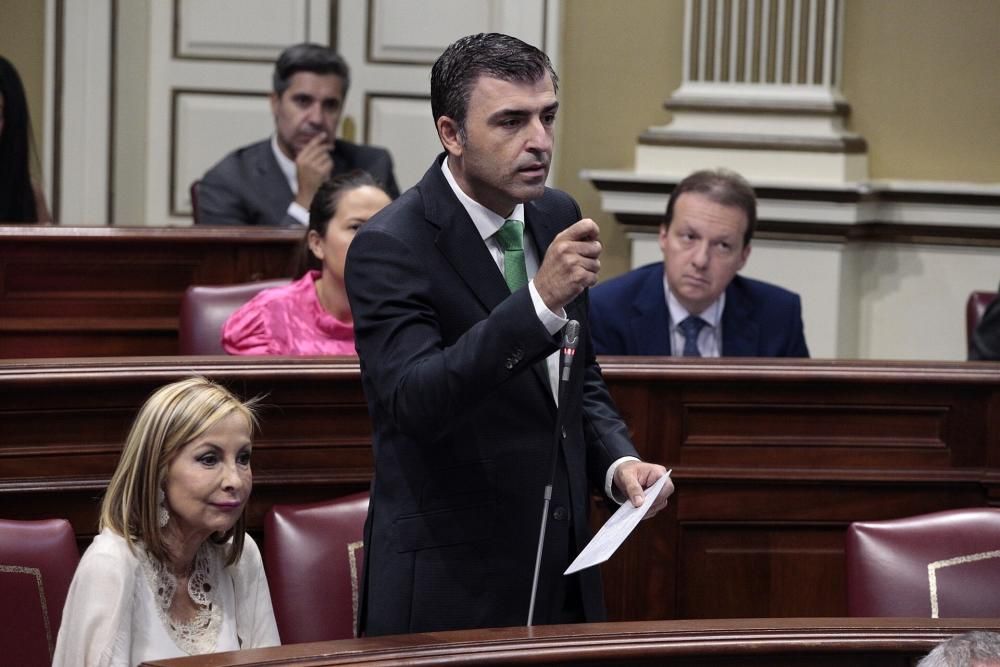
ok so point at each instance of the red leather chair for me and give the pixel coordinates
(940, 565)
(313, 556)
(975, 306)
(205, 309)
(37, 561)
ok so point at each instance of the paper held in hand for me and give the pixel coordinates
(618, 527)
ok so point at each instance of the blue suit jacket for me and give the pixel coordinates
(629, 316)
(453, 369)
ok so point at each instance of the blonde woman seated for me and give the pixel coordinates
(172, 572)
(312, 315)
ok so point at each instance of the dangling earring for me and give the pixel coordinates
(162, 515)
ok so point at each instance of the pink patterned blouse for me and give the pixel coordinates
(287, 320)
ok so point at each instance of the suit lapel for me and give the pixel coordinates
(650, 320)
(740, 331)
(459, 241)
(270, 181)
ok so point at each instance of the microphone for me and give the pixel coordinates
(570, 340)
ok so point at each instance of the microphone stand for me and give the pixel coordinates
(571, 338)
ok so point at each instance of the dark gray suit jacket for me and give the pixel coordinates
(986, 338)
(248, 188)
(453, 368)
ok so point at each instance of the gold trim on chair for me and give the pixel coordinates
(932, 569)
(352, 559)
(37, 574)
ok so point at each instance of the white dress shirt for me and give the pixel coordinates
(291, 172)
(710, 336)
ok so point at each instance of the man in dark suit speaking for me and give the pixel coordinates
(457, 319)
(272, 182)
(693, 304)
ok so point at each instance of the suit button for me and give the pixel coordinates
(560, 513)
(563, 433)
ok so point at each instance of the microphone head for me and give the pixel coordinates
(571, 335)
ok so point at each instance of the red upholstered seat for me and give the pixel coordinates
(975, 306)
(940, 565)
(313, 555)
(205, 309)
(37, 561)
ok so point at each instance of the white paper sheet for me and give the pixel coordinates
(618, 527)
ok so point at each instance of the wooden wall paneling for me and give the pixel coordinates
(771, 466)
(755, 527)
(103, 291)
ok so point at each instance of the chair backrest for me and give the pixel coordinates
(37, 561)
(313, 556)
(940, 565)
(205, 309)
(975, 306)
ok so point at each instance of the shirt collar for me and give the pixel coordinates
(712, 315)
(487, 222)
(286, 164)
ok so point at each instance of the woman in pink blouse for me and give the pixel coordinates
(312, 314)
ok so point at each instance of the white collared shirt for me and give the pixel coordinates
(710, 336)
(288, 168)
(487, 223)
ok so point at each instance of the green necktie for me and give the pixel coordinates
(511, 240)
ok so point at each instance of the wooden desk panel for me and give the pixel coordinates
(773, 459)
(736, 643)
(116, 291)
(755, 528)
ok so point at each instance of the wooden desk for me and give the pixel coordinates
(885, 642)
(772, 459)
(116, 291)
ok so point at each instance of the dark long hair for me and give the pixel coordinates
(322, 209)
(17, 198)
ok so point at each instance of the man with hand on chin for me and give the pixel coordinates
(459, 291)
(272, 182)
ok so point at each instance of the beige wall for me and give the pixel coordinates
(920, 76)
(619, 62)
(22, 42)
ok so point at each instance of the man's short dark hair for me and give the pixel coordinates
(307, 57)
(723, 187)
(485, 54)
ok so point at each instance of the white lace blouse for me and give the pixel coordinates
(116, 611)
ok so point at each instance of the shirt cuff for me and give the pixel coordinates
(551, 321)
(299, 212)
(609, 480)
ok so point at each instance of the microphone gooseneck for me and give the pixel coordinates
(570, 341)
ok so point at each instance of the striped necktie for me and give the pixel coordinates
(690, 327)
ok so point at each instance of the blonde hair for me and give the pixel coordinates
(171, 417)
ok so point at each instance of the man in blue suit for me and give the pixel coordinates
(695, 304)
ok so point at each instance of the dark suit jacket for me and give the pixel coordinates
(986, 337)
(629, 315)
(453, 369)
(248, 188)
